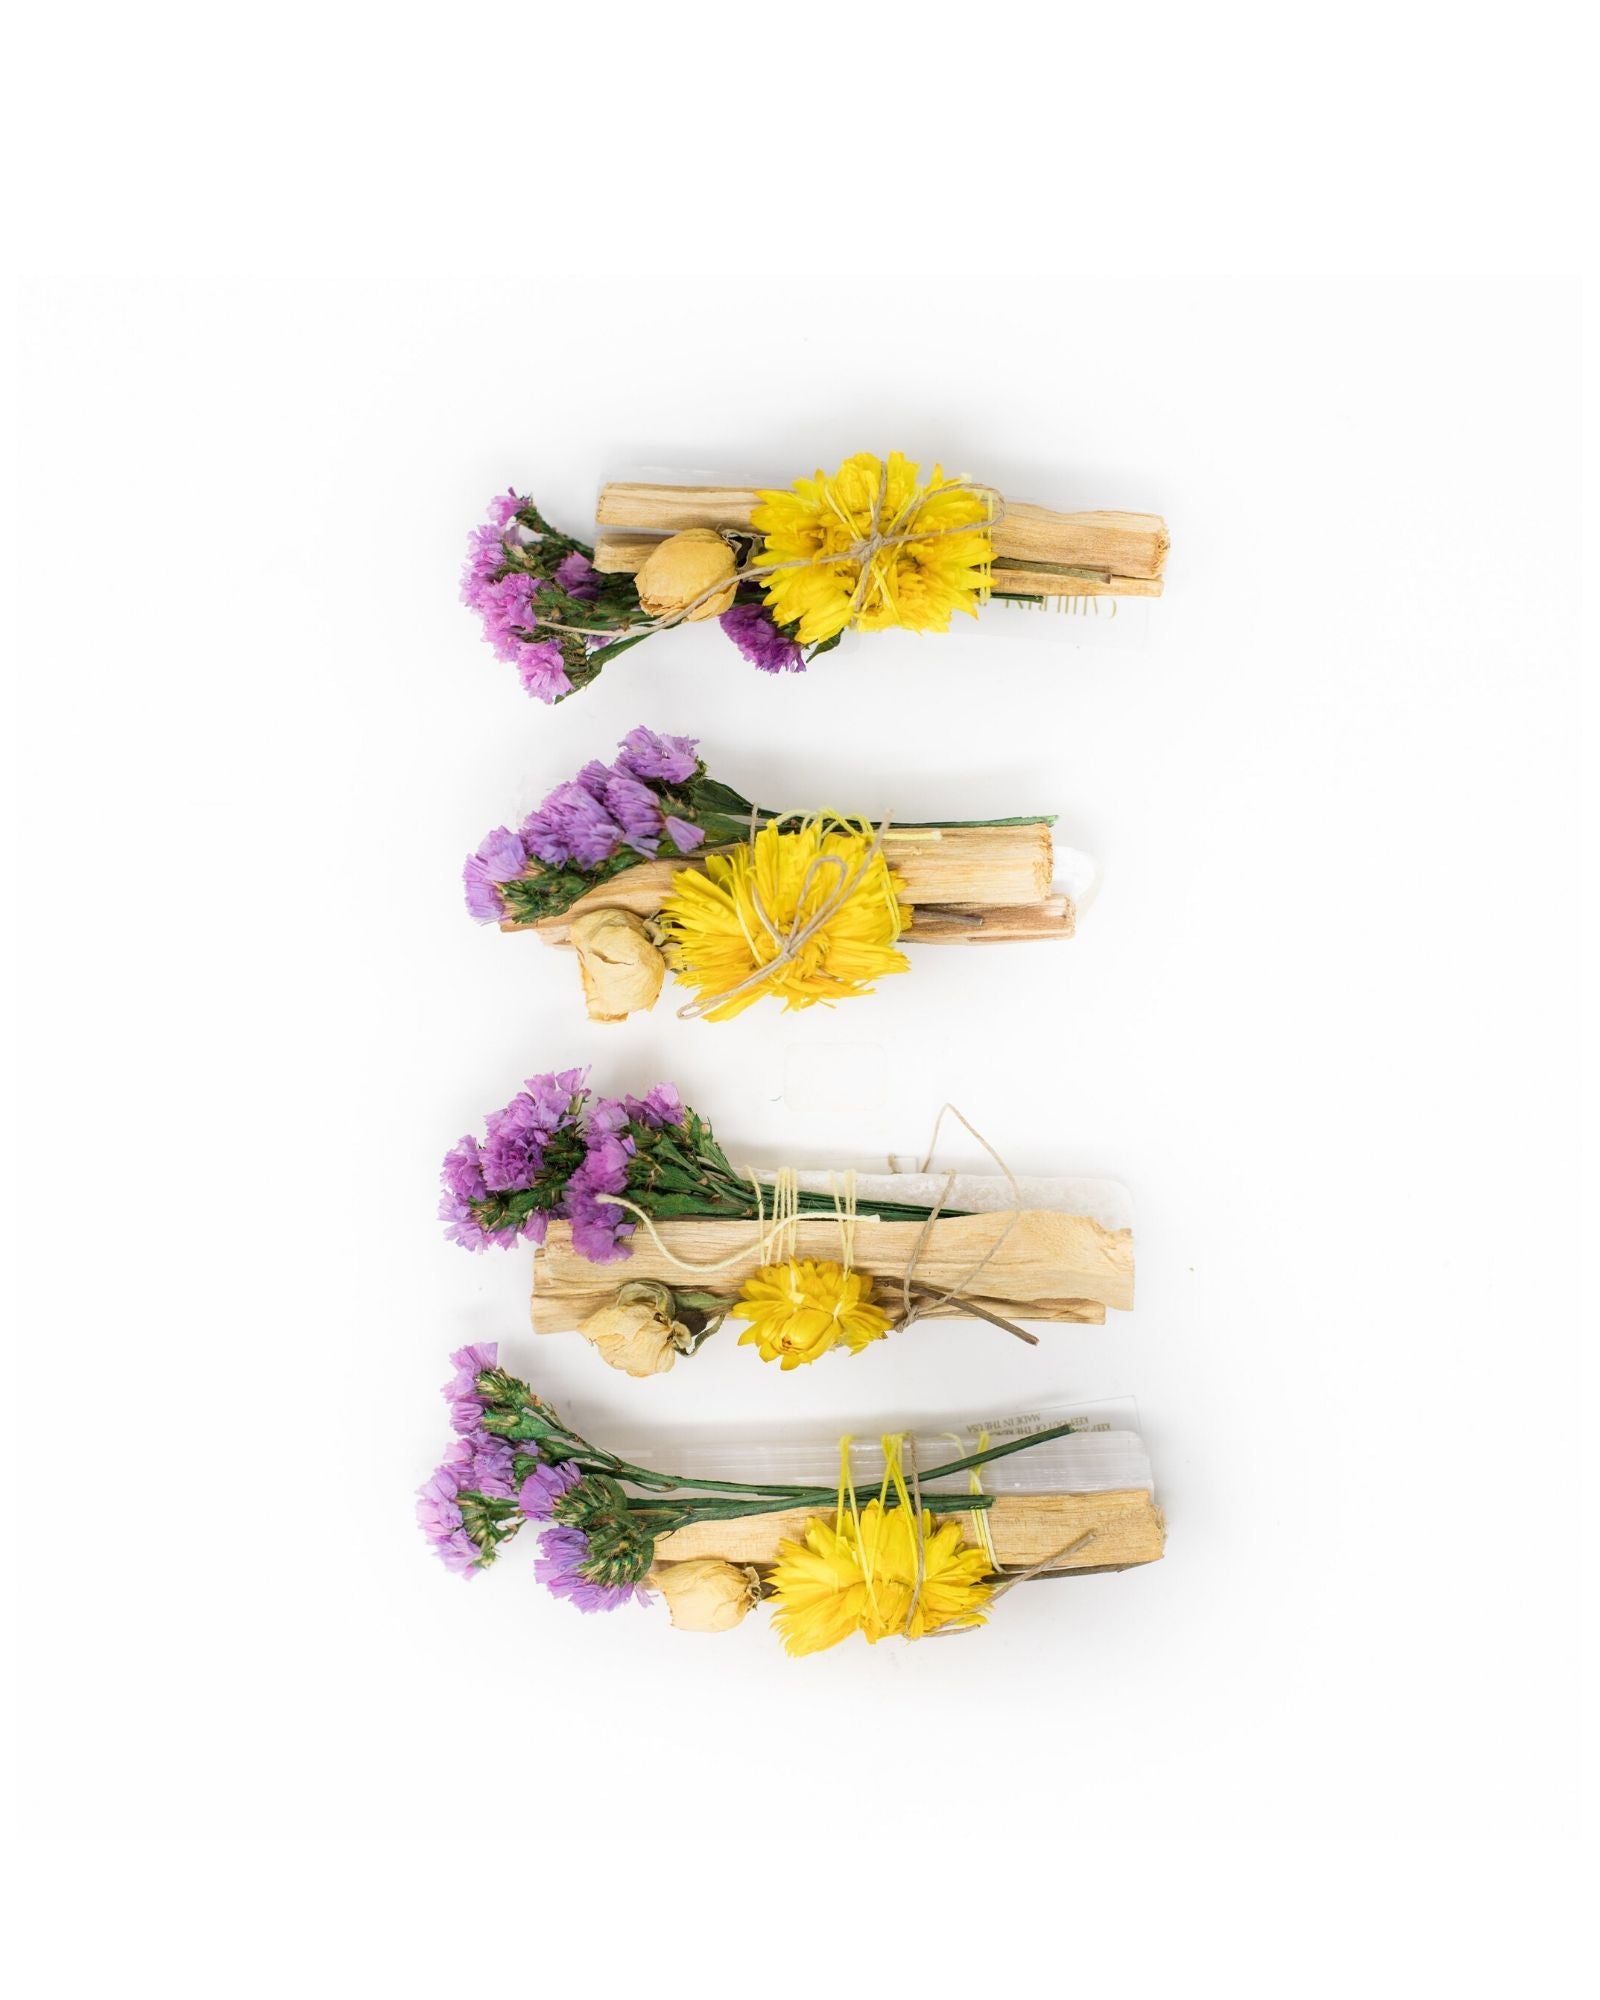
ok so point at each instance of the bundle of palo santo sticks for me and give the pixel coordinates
(959, 1516)
(1000, 1263)
(1079, 1503)
(1053, 1534)
(1038, 553)
(966, 885)
(651, 862)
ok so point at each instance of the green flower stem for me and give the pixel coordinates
(995, 1451)
(788, 1496)
(672, 1482)
(821, 1499)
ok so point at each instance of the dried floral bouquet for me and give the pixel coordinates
(807, 1268)
(649, 862)
(786, 572)
(897, 1565)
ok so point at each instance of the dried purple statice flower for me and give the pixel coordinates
(563, 1552)
(671, 759)
(751, 629)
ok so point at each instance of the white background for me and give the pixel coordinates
(1321, 1019)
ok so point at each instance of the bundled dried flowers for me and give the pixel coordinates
(754, 904)
(896, 1567)
(558, 1151)
(868, 546)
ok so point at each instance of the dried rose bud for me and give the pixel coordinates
(705, 1595)
(677, 570)
(637, 1332)
(622, 970)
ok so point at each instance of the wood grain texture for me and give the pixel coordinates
(971, 867)
(624, 553)
(1035, 1254)
(1033, 545)
(1027, 1528)
(931, 923)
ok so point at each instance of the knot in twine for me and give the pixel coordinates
(869, 549)
(790, 941)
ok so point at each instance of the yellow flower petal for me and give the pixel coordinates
(722, 927)
(818, 528)
(799, 1310)
(864, 1578)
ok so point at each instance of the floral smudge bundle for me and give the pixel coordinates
(909, 1562)
(837, 1265)
(786, 572)
(649, 862)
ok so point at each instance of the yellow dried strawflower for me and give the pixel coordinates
(860, 1575)
(799, 1310)
(723, 927)
(913, 583)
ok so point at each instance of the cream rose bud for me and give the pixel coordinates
(677, 570)
(622, 970)
(637, 1332)
(706, 1595)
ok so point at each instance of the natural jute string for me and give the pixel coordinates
(802, 928)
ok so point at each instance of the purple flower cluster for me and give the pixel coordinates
(508, 1161)
(559, 1567)
(575, 574)
(751, 629)
(514, 1154)
(473, 1502)
(544, 1486)
(600, 1230)
(503, 598)
(477, 1462)
(584, 823)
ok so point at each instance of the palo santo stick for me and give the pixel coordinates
(1123, 547)
(968, 867)
(1033, 1254)
(563, 1311)
(624, 553)
(931, 923)
(934, 923)
(1027, 1528)
(1006, 580)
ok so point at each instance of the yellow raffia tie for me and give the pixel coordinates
(848, 1503)
(844, 1208)
(980, 1515)
(893, 1444)
(896, 1443)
